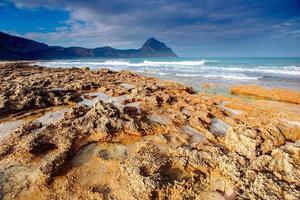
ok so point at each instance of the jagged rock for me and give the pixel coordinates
(272, 138)
(131, 110)
(26, 98)
(159, 142)
(243, 140)
(275, 94)
(289, 130)
(144, 171)
(283, 162)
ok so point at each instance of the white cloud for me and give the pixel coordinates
(127, 23)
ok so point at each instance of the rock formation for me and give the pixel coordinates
(125, 136)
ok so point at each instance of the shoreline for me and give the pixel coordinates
(194, 72)
(123, 135)
(5, 62)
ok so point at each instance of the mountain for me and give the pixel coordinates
(17, 48)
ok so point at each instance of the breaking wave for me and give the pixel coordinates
(223, 76)
(214, 69)
(145, 63)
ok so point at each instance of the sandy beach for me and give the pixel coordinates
(75, 133)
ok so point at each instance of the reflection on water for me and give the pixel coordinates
(161, 119)
(45, 117)
(196, 136)
(96, 96)
(7, 128)
(52, 117)
(219, 127)
(127, 86)
(230, 110)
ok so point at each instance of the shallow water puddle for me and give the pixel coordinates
(187, 112)
(117, 101)
(52, 117)
(46, 118)
(196, 136)
(164, 142)
(7, 128)
(96, 96)
(109, 151)
(219, 127)
(127, 86)
(104, 151)
(231, 110)
(161, 119)
(84, 155)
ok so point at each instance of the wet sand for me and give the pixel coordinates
(81, 134)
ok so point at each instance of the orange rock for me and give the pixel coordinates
(274, 94)
(289, 130)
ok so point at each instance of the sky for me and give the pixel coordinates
(192, 28)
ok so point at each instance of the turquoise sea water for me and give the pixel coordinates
(223, 72)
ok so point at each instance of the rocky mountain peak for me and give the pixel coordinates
(154, 44)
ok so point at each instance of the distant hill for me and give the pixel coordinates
(17, 48)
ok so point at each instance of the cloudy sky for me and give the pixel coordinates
(198, 28)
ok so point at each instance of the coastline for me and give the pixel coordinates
(144, 138)
(222, 72)
(4, 62)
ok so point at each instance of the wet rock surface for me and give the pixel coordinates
(120, 135)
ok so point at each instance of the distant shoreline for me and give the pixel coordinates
(19, 61)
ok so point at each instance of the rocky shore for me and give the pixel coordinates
(81, 134)
(275, 94)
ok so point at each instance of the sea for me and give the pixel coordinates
(220, 73)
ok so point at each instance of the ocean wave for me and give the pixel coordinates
(147, 63)
(163, 73)
(181, 63)
(286, 70)
(188, 75)
(144, 63)
(224, 76)
(180, 67)
(232, 77)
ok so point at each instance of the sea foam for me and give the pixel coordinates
(213, 69)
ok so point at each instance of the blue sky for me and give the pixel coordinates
(191, 27)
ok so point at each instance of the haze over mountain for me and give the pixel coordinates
(17, 48)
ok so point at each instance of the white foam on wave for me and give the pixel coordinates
(182, 63)
(188, 75)
(147, 63)
(163, 73)
(223, 76)
(125, 63)
(186, 68)
(179, 65)
(232, 77)
(287, 70)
